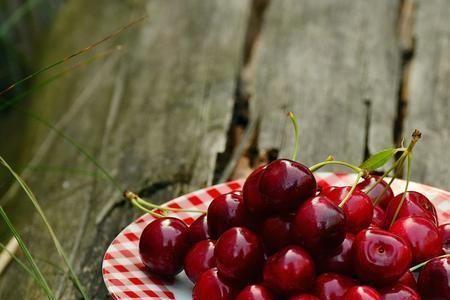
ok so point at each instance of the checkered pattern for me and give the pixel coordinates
(125, 275)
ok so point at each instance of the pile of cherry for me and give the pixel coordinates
(283, 238)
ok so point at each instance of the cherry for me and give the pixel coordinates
(255, 202)
(434, 279)
(163, 244)
(331, 286)
(276, 232)
(239, 255)
(337, 260)
(226, 211)
(362, 292)
(408, 280)
(422, 235)
(379, 217)
(414, 205)
(368, 182)
(304, 297)
(380, 257)
(286, 184)
(320, 223)
(358, 209)
(290, 271)
(199, 259)
(210, 286)
(198, 231)
(444, 232)
(399, 292)
(255, 292)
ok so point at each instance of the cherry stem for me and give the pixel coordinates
(408, 178)
(317, 166)
(349, 194)
(139, 206)
(427, 261)
(296, 131)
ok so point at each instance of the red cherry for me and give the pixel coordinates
(198, 231)
(414, 205)
(408, 280)
(379, 217)
(304, 297)
(444, 232)
(358, 209)
(226, 211)
(422, 235)
(163, 244)
(290, 271)
(239, 255)
(380, 257)
(210, 286)
(320, 223)
(434, 279)
(276, 233)
(255, 292)
(362, 292)
(286, 184)
(331, 286)
(199, 259)
(377, 191)
(399, 292)
(255, 202)
(337, 260)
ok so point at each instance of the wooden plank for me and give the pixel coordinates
(154, 115)
(322, 59)
(429, 93)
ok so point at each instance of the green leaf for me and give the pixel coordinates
(378, 159)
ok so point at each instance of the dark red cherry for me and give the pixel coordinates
(226, 211)
(377, 191)
(399, 292)
(362, 292)
(199, 259)
(286, 184)
(239, 255)
(320, 223)
(434, 279)
(304, 297)
(198, 231)
(331, 286)
(255, 292)
(337, 260)
(414, 205)
(358, 209)
(379, 217)
(210, 286)
(380, 257)
(255, 202)
(290, 271)
(408, 280)
(276, 232)
(163, 244)
(444, 232)
(422, 235)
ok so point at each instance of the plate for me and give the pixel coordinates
(126, 277)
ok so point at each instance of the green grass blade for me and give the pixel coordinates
(20, 263)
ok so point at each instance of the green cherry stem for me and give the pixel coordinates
(297, 135)
(317, 166)
(408, 178)
(166, 208)
(413, 269)
(349, 194)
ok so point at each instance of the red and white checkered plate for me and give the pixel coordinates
(125, 275)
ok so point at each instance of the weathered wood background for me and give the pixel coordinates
(199, 93)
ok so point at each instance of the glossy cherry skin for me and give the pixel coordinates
(163, 244)
(198, 231)
(408, 280)
(304, 297)
(444, 232)
(226, 211)
(362, 292)
(255, 202)
(377, 191)
(337, 260)
(358, 209)
(286, 184)
(276, 232)
(239, 255)
(331, 286)
(320, 224)
(380, 257)
(210, 286)
(199, 259)
(255, 292)
(399, 292)
(379, 217)
(422, 235)
(434, 280)
(290, 271)
(414, 205)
